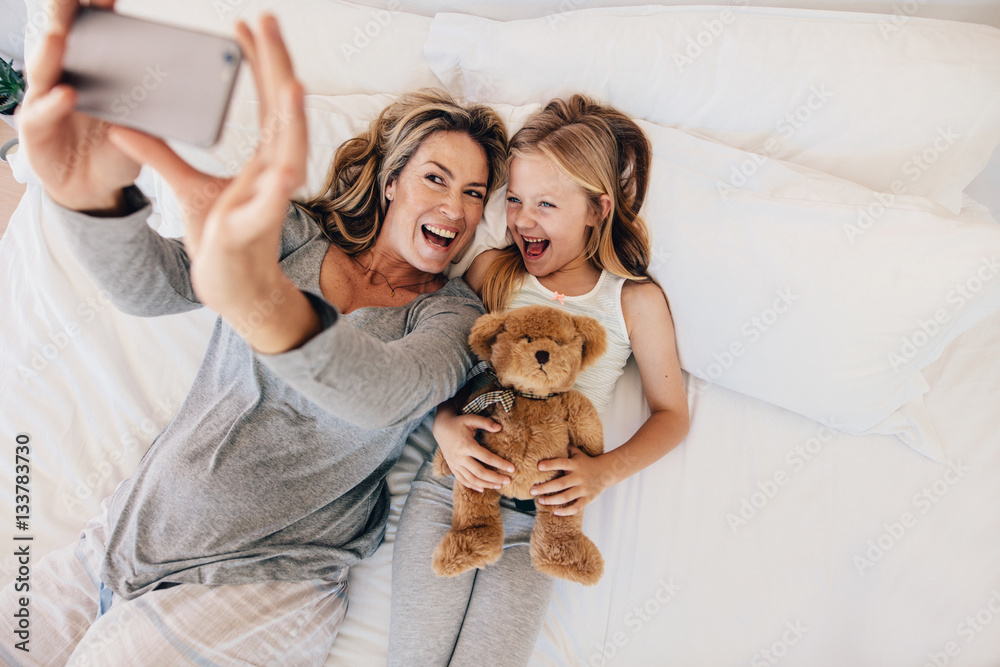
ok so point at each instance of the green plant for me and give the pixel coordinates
(11, 87)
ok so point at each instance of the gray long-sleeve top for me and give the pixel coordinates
(274, 467)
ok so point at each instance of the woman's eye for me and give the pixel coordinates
(475, 193)
(434, 178)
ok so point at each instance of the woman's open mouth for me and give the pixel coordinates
(437, 236)
(534, 247)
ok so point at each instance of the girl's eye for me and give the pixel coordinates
(546, 204)
(513, 200)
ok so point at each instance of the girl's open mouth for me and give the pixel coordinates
(534, 247)
(437, 236)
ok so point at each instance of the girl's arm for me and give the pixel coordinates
(651, 332)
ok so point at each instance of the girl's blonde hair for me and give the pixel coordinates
(604, 152)
(352, 208)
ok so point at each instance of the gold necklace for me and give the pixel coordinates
(392, 290)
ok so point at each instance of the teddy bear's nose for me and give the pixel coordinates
(542, 356)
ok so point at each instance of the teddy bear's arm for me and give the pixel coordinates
(585, 430)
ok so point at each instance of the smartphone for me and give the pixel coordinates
(169, 82)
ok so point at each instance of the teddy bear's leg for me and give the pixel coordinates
(559, 547)
(476, 535)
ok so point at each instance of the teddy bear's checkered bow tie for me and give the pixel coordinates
(497, 394)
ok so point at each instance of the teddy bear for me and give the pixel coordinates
(531, 356)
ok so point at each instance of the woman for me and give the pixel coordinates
(230, 543)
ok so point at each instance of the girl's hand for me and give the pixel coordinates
(585, 478)
(70, 152)
(456, 436)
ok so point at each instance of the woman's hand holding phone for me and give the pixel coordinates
(232, 226)
(68, 150)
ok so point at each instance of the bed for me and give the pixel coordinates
(824, 205)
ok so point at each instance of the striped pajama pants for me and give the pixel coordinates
(269, 623)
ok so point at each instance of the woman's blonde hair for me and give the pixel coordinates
(352, 207)
(604, 152)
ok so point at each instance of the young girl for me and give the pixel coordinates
(578, 175)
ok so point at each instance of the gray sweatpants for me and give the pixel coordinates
(487, 617)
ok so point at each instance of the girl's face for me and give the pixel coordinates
(548, 215)
(437, 201)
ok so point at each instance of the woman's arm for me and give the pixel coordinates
(143, 273)
(377, 384)
(651, 332)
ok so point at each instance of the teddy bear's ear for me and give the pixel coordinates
(485, 332)
(595, 342)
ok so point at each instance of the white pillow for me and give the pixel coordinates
(337, 48)
(811, 292)
(908, 109)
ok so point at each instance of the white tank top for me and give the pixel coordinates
(603, 303)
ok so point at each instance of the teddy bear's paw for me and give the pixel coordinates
(577, 559)
(463, 550)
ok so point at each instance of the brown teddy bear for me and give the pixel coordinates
(536, 354)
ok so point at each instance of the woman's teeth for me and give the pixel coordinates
(440, 232)
(437, 236)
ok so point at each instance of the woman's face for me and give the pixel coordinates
(548, 214)
(436, 202)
